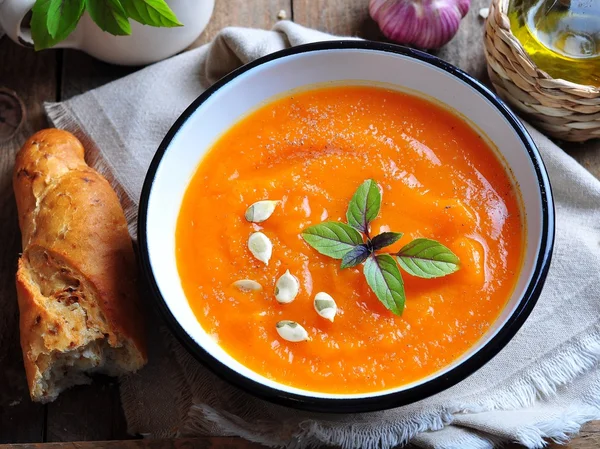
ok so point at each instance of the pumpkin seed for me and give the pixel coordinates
(260, 246)
(291, 331)
(260, 211)
(325, 306)
(286, 288)
(247, 285)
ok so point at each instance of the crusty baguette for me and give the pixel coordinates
(76, 278)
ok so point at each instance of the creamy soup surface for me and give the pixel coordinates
(311, 150)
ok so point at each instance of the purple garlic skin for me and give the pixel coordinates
(422, 23)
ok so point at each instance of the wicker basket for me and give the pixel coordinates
(561, 109)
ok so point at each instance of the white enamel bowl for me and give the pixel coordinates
(351, 62)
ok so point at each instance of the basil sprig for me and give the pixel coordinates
(52, 21)
(352, 243)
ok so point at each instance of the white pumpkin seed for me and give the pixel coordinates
(260, 211)
(247, 285)
(260, 246)
(325, 306)
(286, 288)
(291, 331)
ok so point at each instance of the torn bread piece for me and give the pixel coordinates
(76, 278)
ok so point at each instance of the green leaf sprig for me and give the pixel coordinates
(52, 21)
(353, 244)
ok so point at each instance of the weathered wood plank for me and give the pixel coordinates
(81, 72)
(254, 14)
(182, 443)
(588, 439)
(32, 77)
(341, 17)
(87, 413)
(587, 154)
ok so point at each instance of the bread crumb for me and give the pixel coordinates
(282, 15)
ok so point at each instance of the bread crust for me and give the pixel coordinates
(76, 278)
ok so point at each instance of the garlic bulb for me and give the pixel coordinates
(422, 23)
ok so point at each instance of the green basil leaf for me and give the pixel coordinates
(151, 12)
(42, 38)
(39, 25)
(355, 256)
(63, 16)
(383, 276)
(332, 239)
(385, 239)
(364, 206)
(427, 259)
(110, 16)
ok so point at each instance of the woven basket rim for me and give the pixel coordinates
(561, 84)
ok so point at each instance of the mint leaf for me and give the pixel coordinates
(332, 239)
(110, 16)
(383, 276)
(151, 12)
(427, 259)
(385, 239)
(63, 16)
(364, 206)
(355, 256)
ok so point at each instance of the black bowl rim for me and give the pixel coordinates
(389, 400)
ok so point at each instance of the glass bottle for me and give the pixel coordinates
(562, 37)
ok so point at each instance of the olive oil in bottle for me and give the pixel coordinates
(562, 37)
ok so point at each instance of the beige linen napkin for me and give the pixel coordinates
(544, 384)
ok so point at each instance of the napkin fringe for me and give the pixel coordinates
(472, 441)
(569, 361)
(558, 429)
(203, 418)
(311, 434)
(61, 117)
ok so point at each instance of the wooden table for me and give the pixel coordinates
(93, 413)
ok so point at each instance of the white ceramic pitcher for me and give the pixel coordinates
(145, 45)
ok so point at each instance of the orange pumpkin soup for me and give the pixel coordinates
(311, 150)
